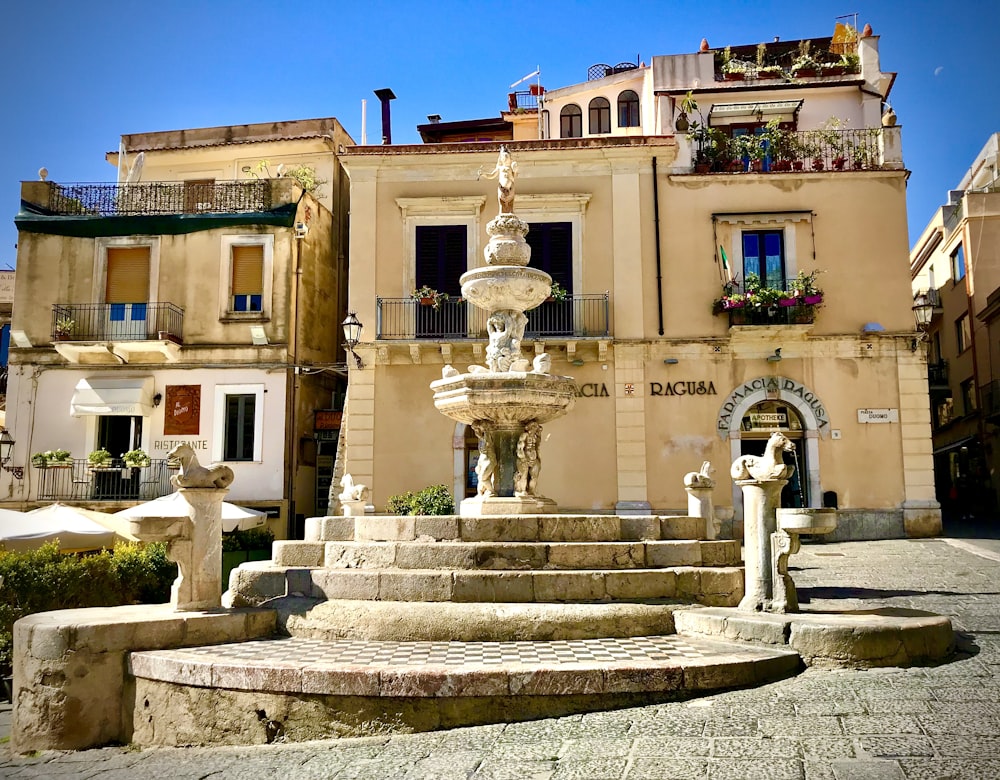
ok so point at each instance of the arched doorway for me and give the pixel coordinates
(809, 413)
(758, 423)
(465, 446)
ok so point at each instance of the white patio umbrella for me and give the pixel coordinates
(22, 531)
(233, 517)
(62, 512)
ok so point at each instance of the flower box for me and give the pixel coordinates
(812, 300)
(787, 301)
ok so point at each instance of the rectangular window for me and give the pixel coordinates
(968, 397)
(958, 264)
(247, 277)
(441, 259)
(963, 333)
(127, 275)
(764, 255)
(552, 251)
(240, 418)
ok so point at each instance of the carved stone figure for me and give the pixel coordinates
(529, 462)
(350, 491)
(700, 479)
(448, 371)
(486, 465)
(505, 171)
(505, 330)
(193, 474)
(542, 364)
(768, 466)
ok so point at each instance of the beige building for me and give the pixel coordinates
(956, 265)
(197, 300)
(649, 249)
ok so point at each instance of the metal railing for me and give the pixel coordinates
(578, 316)
(78, 481)
(117, 322)
(525, 99)
(786, 150)
(937, 374)
(145, 198)
(770, 303)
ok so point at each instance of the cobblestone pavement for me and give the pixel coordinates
(890, 724)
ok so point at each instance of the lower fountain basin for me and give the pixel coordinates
(508, 398)
(807, 520)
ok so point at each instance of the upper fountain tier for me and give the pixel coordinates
(506, 282)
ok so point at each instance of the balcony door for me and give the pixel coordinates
(764, 255)
(552, 251)
(127, 293)
(441, 260)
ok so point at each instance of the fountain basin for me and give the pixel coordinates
(807, 520)
(161, 529)
(506, 287)
(505, 399)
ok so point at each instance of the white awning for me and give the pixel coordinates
(783, 110)
(132, 396)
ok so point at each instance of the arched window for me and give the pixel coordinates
(571, 122)
(600, 116)
(628, 109)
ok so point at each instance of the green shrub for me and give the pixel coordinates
(46, 579)
(254, 539)
(433, 500)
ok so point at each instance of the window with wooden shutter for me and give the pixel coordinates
(127, 275)
(441, 257)
(248, 277)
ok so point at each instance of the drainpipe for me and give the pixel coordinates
(385, 95)
(656, 226)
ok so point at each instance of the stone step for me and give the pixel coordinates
(254, 583)
(470, 621)
(504, 528)
(506, 555)
(301, 689)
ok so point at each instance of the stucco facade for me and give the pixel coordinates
(196, 356)
(666, 381)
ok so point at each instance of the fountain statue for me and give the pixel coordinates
(506, 401)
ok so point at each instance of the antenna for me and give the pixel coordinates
(364, 122)
(122, 162)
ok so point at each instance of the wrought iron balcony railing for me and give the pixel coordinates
(777, 302)
(117, 322)
(579, 316)
(937, 374)
(786, 150)
(146, 198)
(78, 481)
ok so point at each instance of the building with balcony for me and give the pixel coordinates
(700, 309)
(196, 300)
(955, 266)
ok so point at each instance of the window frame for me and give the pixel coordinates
(968, 392)
(101, 246)
(438, 211)
(957, 258)
(555, 207)
(788, 222)
(628, 105)
(222, 393)
(226, 311)
(963, 333)
(599, 115)
(566, 115)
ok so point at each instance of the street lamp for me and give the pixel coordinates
(6, 452)
(923, 311)
(352, 335)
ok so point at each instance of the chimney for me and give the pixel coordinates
(385, 95)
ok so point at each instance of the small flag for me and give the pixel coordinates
(725, 264)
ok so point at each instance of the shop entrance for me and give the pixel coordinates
(757, 425)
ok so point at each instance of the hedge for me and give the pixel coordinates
(46, 579)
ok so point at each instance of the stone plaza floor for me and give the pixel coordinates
(886, 724)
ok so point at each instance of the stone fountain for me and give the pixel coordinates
(509, 399)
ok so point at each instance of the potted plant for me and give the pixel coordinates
(558, 292)
(136, 459)
(803, 287)
(99, 459)
(52, 459)
(428, 296)
(64, 328)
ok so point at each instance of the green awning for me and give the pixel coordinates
(33, 219)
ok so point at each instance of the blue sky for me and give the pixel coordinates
(74, 76)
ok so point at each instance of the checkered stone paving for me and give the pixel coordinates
(431, 668)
